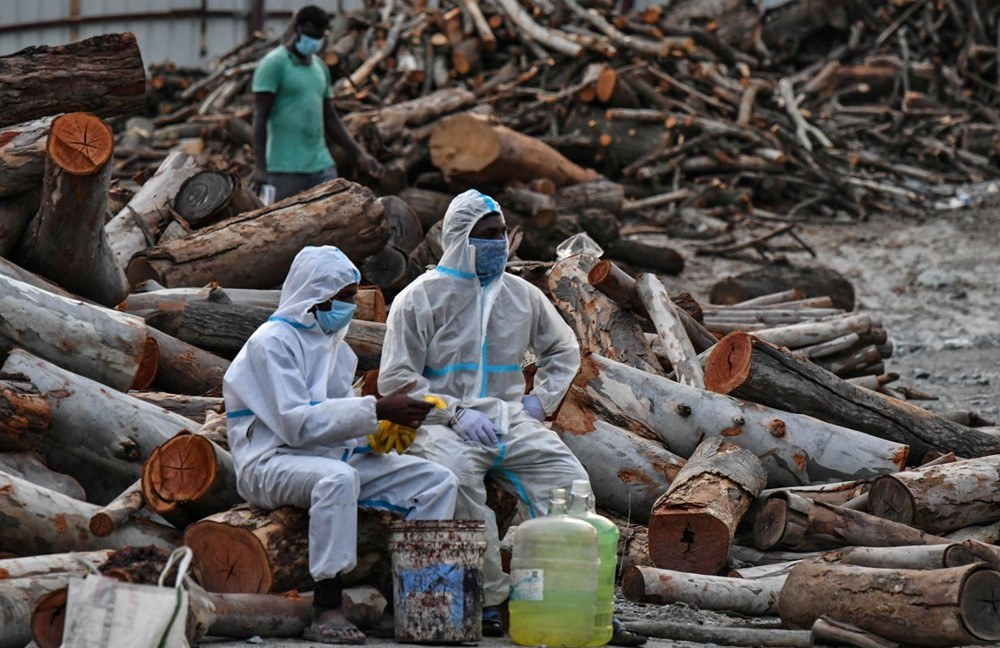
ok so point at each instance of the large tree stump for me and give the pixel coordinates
(40, 521)
(66, 241)
(102, 344)
(139, 223)
(22, 155)
(25, 414)
(792, 522)
(745, 367)
(471, 148)
(758, 596)
(939, 607)
(793, 449)
(940, 498)
(600, 325)
(255, 249)
(211, 196)
(693, 523)
(103, 75)
(96, 426)
(627, 472)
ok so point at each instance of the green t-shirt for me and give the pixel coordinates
(295, 142)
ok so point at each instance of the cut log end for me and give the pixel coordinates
(599, 273)
(185, 468)
(769, 523)
(729, 363)
(149, 362)
(979, 611)
(606, 82)
(140, 269)
(891, 500)
(48, 618)
(101, 525)
(471, 143)
(633, 584)
(690, 542)
(80, 143)
(228, 559)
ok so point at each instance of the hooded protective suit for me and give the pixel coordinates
(298, 434)
(465, 342)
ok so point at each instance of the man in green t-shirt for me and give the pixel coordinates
(294, 118)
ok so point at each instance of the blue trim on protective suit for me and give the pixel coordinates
(452, 272)
(382, 504)
(239, 413)
(293, 324)
(521, 493)
(444, 371)
(491, 205)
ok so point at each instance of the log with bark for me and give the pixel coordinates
(185, 369)
(118, 511)
(756, 597)
(670, 330)
(692, 525)
(210, 196)
(808, 281)
(18, 598)
(255, 249)
(940, 498)
(939, 607)
(190, 407)
(794, 449)
(143, 303)
(215, 326)
(721, 635)
(102, 344)
(828, 632)
(139, 223)
(31, 466)
(96, 432)
(66, 242)
(471, 148)
(25, 414)
(103, 75)
(937, 556)
(836, 493)
(429, 206)
(77, 563)
(22, 155)
(748, 368)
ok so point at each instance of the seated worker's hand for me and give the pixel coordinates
(474, 427)
(533, 407)
(392, 436)
(400, 408)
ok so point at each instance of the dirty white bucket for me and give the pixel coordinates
(437, 580)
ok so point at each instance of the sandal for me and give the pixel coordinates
(493, 623)
(339, 632)
(624, 637)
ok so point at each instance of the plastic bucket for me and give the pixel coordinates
(437, 580)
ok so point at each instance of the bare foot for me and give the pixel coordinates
(330, 627)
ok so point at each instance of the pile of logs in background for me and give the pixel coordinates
(753, 436)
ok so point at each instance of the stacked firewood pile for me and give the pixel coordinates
(728, 437)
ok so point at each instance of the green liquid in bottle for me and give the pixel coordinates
(582, 507)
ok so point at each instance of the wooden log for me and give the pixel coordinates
(938, 556)
(940, 498)
(598, 323)
(663, 586)
(498, 154)
(365, 339)
(748, 368)
(210, 196)
(185, 369)
(77, 563)
(693, 523)
(191, 473)
(220, 328)
(190, 407)
(104, 345)
(18, 598)
(660, 258)
(103, 75)
(627, 472)
(836, 633)
(722, 635)
(142, 304)
(937, 607)
(31, 467)
(251, 551)
(66, 241)
(539, 208)
(596, 194)
(405, 229)
(39, 521)
(617, 284)
(118, 511)
(670, 330)
(97, 427)
(255, 249)
(392, 121)
(757, 557)
(16, 211)
(22, 155)
(762, 571)
(986, 533)
(553, 39)
(809, 281)
(25, 414)
(243, 616)
(837, 493)
(429, 206)
(796, 336)
(801, 524)
(137, 225)
(794, 449)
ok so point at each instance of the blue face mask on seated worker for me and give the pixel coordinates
(307, 45)
(491, 258)
(339, 316)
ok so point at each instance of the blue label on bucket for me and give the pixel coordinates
(423, 583)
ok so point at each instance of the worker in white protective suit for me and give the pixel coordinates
(461, 331)
(299, 435)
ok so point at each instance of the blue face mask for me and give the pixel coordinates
(307, 45)
(491, 258)
(339, 316)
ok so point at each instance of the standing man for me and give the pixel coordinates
(300, 437)
(460, 332)
(294, 121)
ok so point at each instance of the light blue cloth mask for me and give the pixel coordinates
(307, 45)
(491, 258)
(339, 316)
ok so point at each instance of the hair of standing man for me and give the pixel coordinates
(312, 15)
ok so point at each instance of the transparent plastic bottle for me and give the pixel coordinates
(554, 576)
(582, 506)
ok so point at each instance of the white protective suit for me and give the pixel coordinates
(299, 435)
(465, 343)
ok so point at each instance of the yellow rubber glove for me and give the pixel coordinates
(392, 436)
